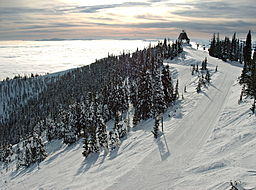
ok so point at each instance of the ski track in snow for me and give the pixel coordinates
(187, 139)
(195, 151)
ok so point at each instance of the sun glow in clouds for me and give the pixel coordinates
(30, 19)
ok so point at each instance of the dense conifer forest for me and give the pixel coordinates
(77, 103)
(242, 51)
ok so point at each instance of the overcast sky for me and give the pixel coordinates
(101, 19)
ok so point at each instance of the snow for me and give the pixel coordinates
(41, 57)
(209, 140)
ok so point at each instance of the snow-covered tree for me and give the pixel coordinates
(199, 85)
(159, 104)
(143, 108)
(70, 130)
(28, 157)
(156, 126)
(114, 140)
(176, 92)
(167, 85)
(7, 155)
(119, 126)
(41, 153)
(19, 157)
(102, 132)
(208, 76)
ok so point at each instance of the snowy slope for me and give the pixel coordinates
(208, 141)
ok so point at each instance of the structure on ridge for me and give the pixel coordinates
(183, 37)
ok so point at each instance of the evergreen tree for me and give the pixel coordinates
(193, 69)
(7, 156)
(33, 151)
(252, 82)
(53, 129)
(248, 51)
(41, 153)
(218, 51)
(28, 157)
(90, 127)
(76, 118)
(159, 104)
(114, 139)
(86, 146)
(156, 126)
(225, 53)
(198, 88)
(69, 128)
(226, 49)
(93, 144)
(167, 85)
(212, 48)
(176, 93)
(204, 64)
(119, 126)
(19, 157)
(234, 48)
(208, 76)
(144, 103)
(102, 132)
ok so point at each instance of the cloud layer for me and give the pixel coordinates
(30, 19)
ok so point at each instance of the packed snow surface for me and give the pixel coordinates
(208, 140)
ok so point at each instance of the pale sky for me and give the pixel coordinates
(137, 19)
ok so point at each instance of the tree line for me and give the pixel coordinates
(78, 103)
(237, 50)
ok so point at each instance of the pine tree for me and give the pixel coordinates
(218, 51)
(176, 93)
(114, 140)
(28, 157)
(204, 64)
(144, 103)
(234, 48)
(53, 129)
(208, 76)
(76, 117)
(119, 126)
(252, 82)
(41, 153)
(159, 104)
(69, 121)
(156, 126)
(225, 53)
(167, 85)
(70, 130)
(92, 127)
(7, 157)
(19, 157)
(86, 146)
(193, 69)
(102, 132)
(198, 88)
(248, 51)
